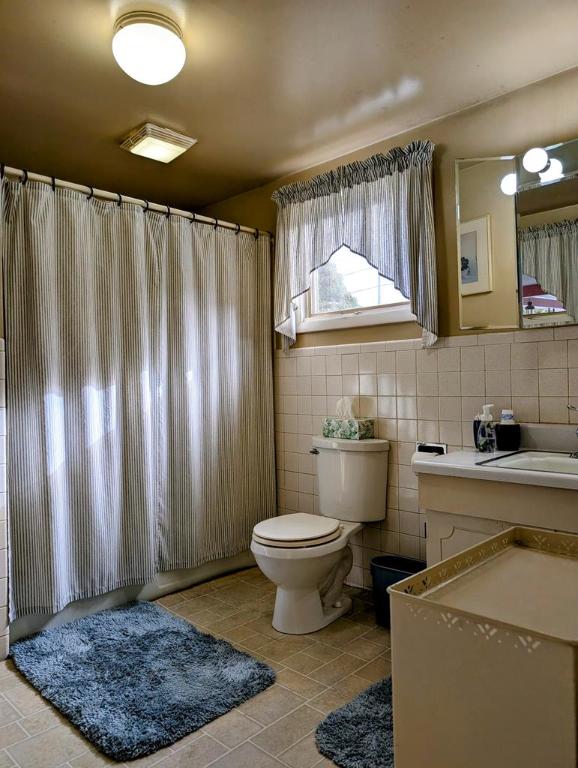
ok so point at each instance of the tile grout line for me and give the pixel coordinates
(278, 665)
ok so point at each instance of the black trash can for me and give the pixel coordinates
(385, 571)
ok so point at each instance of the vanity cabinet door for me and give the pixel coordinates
(448, 535)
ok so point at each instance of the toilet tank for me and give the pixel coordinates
(352, 477)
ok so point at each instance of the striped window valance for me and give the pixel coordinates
(549, 254)
(380, 208)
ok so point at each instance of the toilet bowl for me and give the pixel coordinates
(308, 556)
(309, 574)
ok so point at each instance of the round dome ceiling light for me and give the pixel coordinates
(148, 47)
(509, 184)
(535, 160)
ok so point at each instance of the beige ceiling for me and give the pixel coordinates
(269, 87)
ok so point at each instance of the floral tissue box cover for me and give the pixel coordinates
(348, 429)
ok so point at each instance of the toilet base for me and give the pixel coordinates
(300, 611)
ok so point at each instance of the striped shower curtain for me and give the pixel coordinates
(549, 254)
(140, 430)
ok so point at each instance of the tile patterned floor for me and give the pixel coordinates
(315, 674)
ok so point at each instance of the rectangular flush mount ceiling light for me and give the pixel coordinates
(157, 143)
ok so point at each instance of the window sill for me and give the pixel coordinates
(399, 313)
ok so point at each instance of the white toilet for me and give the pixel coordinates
(307, 556)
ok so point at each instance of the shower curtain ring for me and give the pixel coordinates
(24, 177)
(119, 199)
(145, 209)
(168, 213)
(2, 166)
(238, 229)
(194, 218)
(53, 184)
(89, 197)
(216, 224)
(256, 234)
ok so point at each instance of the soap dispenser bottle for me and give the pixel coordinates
(487, 430)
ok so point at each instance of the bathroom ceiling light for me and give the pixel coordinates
(554, 171)
(148, 47)
(509, 184)
(157, 143)
(535, 160)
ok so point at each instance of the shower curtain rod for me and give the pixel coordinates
(26, 176)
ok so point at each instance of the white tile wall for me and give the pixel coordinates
(413, 394)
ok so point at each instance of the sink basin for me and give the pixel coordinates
(537, 461)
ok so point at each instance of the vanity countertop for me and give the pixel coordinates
(465, 464)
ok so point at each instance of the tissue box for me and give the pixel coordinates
(348, 429)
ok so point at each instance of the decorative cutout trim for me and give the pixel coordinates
(534, 538)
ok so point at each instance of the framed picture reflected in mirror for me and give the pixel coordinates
(475, 256)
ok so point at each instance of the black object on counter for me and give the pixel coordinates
(477, 423)
(508, 437)
(385, 571)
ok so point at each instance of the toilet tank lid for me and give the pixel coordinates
(337, 444)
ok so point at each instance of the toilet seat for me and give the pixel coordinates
(296, 531)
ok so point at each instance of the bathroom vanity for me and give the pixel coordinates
(468, 496)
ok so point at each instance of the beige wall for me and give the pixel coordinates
(549, 217)
(480, 195)
(540, 114)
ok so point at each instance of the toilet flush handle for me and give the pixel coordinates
(314, 451)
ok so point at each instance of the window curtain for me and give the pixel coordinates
(381, 208)
(140, 429)
(549, 253)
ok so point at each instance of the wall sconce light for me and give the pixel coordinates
(509, 184)
(553, 172)
(535, 160)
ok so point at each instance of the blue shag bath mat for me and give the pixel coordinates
(135, 679)
(360, 734)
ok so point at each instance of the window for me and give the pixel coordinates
(536, 301)
(347, 292)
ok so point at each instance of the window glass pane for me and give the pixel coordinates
(536, 301)
(347, 281)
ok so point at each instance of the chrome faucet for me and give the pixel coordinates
(570, 407)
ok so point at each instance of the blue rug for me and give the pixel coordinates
(360, 734)
(135, 679)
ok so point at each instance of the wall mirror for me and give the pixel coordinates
(486, 231)
(517, 230)
(547, 233)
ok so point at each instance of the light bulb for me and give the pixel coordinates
(535, 160)
(148, 47)
(554, 171)
(509, 184)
